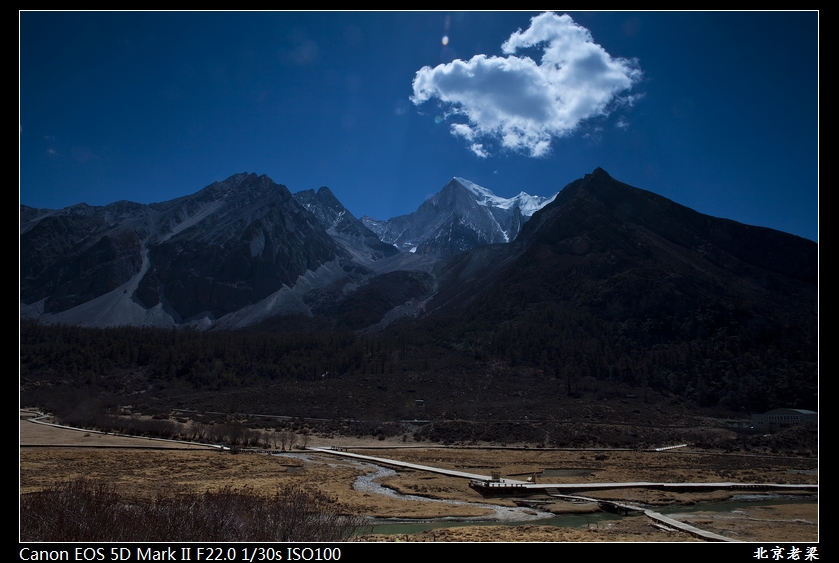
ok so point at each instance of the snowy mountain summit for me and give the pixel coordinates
(462, 216)
(528, 204)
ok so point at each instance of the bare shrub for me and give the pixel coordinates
(286, 439)
(85, 510)
(79, 510)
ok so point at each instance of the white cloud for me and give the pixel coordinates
(522, 104)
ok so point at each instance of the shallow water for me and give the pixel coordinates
(508, 516)
(367, 483)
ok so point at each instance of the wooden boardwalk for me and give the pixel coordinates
(506, 485)
(666, 521)
(485, 484)
(406, 465)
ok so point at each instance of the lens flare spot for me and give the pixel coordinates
(445, 40)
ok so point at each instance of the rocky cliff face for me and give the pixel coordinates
(342, 225)
(73, 255)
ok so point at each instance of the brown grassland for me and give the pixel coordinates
(145, 468)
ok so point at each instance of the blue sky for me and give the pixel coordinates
(716, 111)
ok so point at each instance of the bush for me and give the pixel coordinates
(84, 510)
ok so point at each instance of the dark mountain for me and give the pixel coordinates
(606, 288)
(208, 254)
(460, 217)
(618, 283)
(619, 241)
(342, 225)
(255, 240)
(71, 256)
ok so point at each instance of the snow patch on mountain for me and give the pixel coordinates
(463, 215)
(528, 204)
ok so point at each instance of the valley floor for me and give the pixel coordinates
(147, 467)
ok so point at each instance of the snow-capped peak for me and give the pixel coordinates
(528, 204)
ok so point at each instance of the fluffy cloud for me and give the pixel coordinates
(522, 104)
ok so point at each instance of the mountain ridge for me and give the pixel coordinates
(245, 249)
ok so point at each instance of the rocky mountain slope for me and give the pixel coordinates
(349, 232)
(195, 258)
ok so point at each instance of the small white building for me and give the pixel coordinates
(782, 418)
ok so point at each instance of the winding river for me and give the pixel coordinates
(367, 483)
(513, 516)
